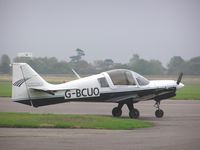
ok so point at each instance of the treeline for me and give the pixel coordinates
(52, 65)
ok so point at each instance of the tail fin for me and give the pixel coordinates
(24, 76)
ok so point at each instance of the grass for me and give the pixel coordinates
(26, 120)
(188, 92)
(5, 88)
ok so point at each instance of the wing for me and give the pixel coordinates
(122, 98)
(136, 96)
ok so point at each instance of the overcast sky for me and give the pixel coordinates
(116, 29)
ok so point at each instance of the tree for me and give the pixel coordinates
(80, 52)
(176, 65)
(120, 66)
(22, 59)
(145, 67)
(99, 65)
(83, 67)
(77, 57)
(192, 66)
(135, 58)
(109, 63)
(5, 64)
(104, 65)
(45, 65)
(156, 67)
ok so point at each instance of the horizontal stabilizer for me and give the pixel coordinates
(50, 90)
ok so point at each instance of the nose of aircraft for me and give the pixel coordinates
(180, 85)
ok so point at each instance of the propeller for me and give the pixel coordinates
(179, 78)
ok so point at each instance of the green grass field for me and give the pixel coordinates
(5, 88)
(191, 90)
(26, 120)
(188, 92)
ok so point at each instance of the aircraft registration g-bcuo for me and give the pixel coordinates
(119, 86)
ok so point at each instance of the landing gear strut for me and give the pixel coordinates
(159, 112)
(133, 112)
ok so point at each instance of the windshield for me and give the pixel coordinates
(141, 80)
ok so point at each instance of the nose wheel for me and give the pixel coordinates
(159, 113)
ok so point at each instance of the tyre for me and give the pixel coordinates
(116, 112)
(134, 114)
(159, 113)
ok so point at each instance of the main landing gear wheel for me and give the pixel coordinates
(116, 112)
(159, 113)
(134, 113)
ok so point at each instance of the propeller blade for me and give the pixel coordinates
(179, 78)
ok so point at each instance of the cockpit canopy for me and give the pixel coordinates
(126, 77)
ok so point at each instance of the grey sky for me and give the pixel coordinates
(154, 29)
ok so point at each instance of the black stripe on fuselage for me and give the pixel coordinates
(104, 97)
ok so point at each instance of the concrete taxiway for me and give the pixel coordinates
(178, 130)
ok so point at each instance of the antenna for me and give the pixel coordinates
(77, 75)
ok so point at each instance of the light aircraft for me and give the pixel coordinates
(120, 86)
